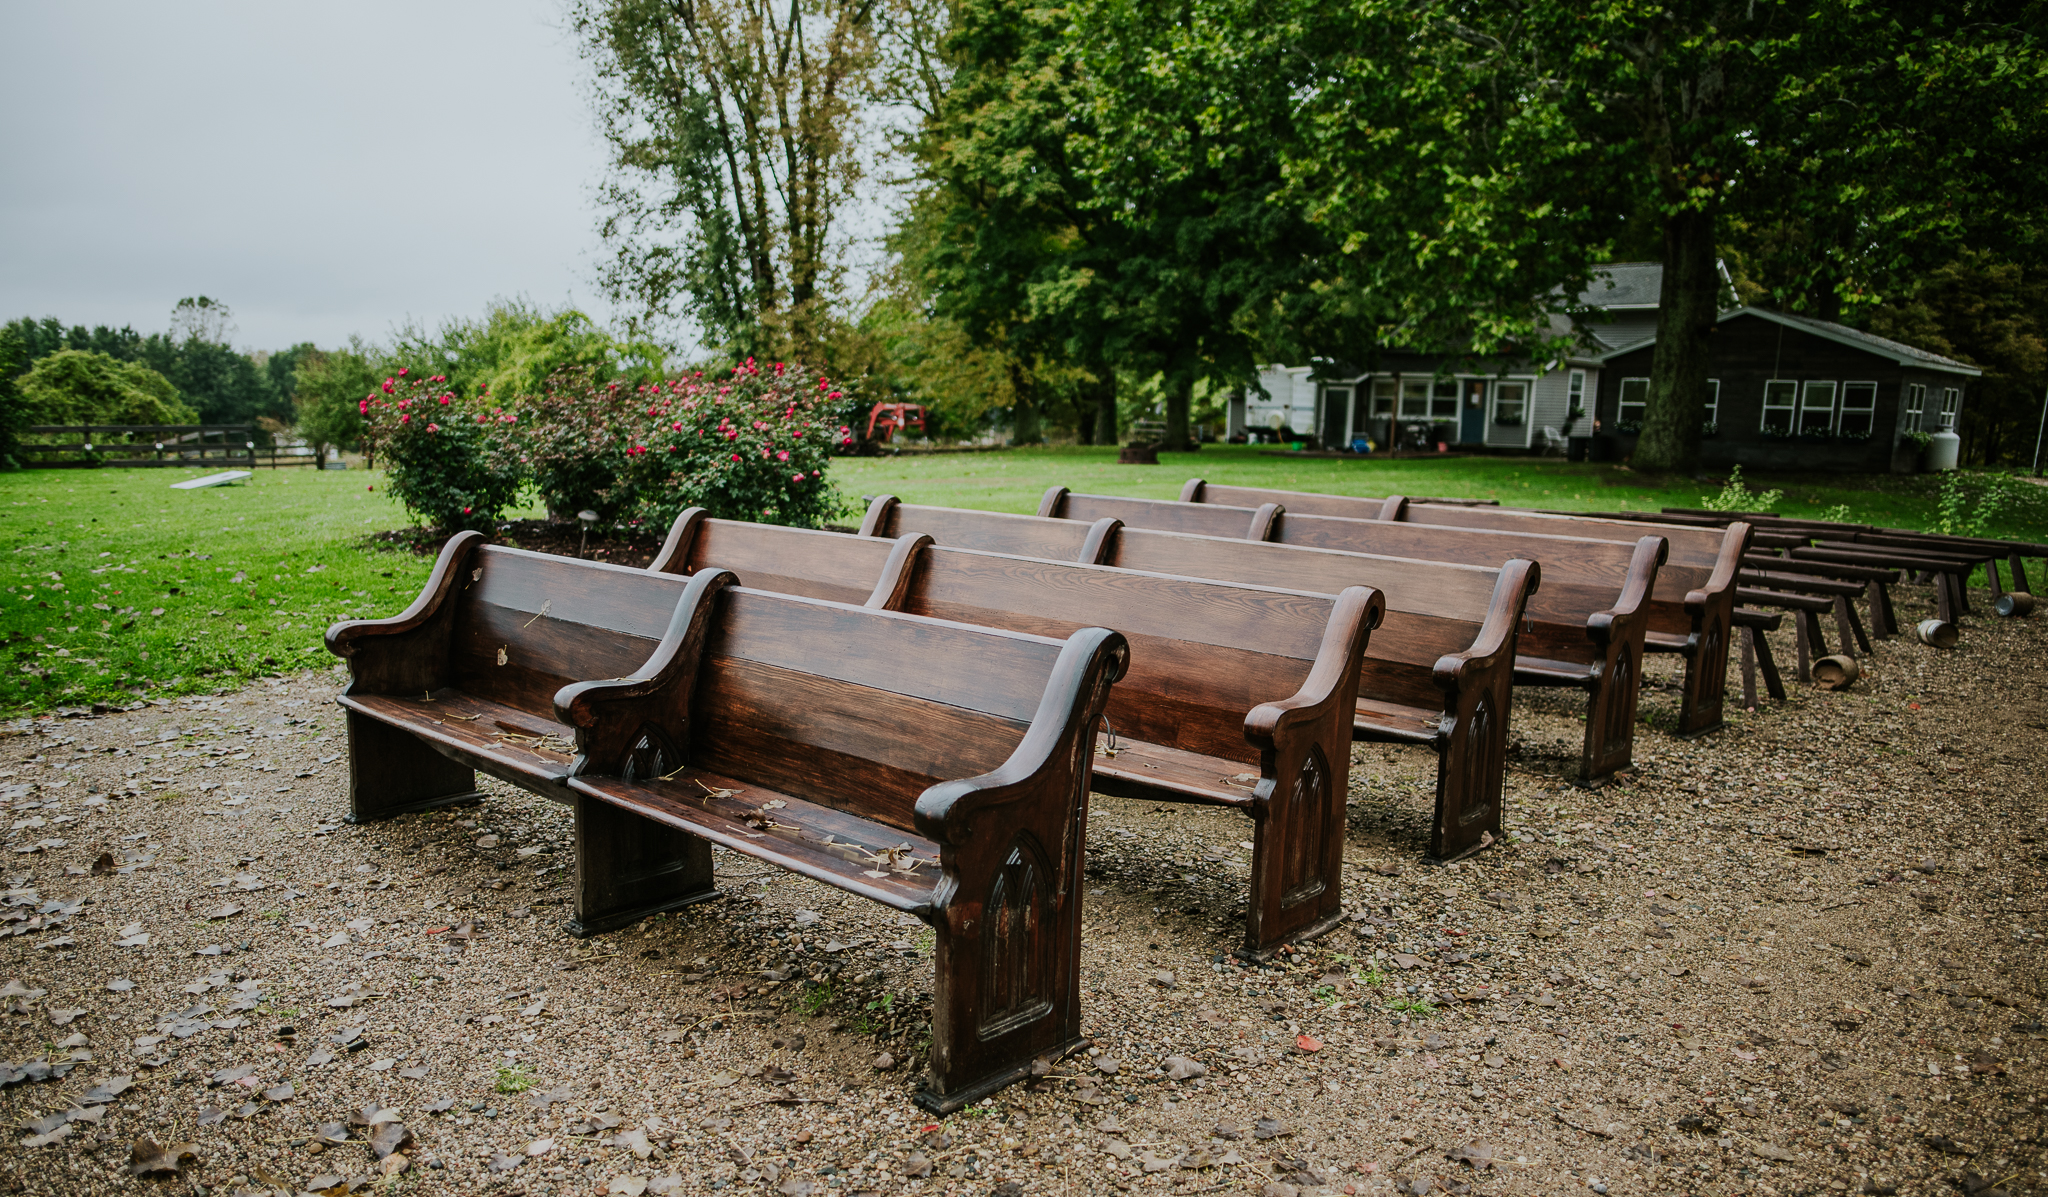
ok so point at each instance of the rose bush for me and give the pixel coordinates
(440, 453)
(751, 445)
(572, 440)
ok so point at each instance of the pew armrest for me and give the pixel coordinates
(344, 639)
(1494, 647)
(1051, 768)
(1627, 617)
(608, 716)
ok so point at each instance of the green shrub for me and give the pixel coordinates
(444, 465)
(77, 386)
(1735, 496)
(572, 441)
(753, 445)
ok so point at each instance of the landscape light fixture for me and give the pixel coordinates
(588, 517)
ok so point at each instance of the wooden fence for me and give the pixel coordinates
(131, 445)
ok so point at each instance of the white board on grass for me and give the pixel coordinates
(220, 479)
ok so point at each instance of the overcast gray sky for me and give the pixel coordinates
(324, 169)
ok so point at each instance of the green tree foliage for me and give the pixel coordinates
(1473, 161)
(1993, 315)
(735, 129)
(223, 385)
(329, 387)
(76, 386)
(14, 362)
(515, 346)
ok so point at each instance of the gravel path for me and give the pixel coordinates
(1801, 955)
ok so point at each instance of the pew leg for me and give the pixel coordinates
(390, 772)
(1961, 581)
(1802, 641)
(629, 866)
(1991, 578)
(2019, 574)
(1297, 882)
(1855, 625)
(1848, 630)
(1469, 774)
(1611, 716)
(1773, 684)
(1749, 636)
(1706, 675)
(1883, 624)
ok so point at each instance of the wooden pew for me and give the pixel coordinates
(1237, 696)
(1584, 628)
(1436, 673)
(938, 769)
(464, 679)
(1691, 610)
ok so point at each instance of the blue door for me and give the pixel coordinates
(1472, 413)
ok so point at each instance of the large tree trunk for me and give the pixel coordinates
(1105, 406)
(1025, 425)
(1179, 395)
(1685, 326)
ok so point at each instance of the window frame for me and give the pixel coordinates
(1915, 406)
(1341, 394)
(1384, 391)
(1444, 391)
(1493, 404)
(1843, 411)
(1806, 389)
(1951, 408)
(1622, 402)
(1713, 404)
(1574, 391)
(1790, 407)
(1423, 389)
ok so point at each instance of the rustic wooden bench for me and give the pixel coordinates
(938, 769)
(463, 680)
(1237, 696)
(1584, 628)
(1690, 610)
(1436, 673)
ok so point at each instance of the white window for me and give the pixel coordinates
(1510, 402)
(1859, 408)
(1713, 402)
(1415, 399)
(1779, 395)
(1383, 391)
(1916, 399)
(1635, 400)
(1443, 400)
(1817, 408)
(1951, 400)
(1575, 390)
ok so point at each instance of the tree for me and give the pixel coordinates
(516, 346)
(76, 386)
(328, 388)
(225, 385)
(735, 129)
(14, 362)
(1473, 161)
(197, 318)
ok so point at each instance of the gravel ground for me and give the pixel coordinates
(1801, 955)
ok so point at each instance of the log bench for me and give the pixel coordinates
(938, 769)
(1236, 696)
(1583, 629)
(1436, 673)
(1690, 608)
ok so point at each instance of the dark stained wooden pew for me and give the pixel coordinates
(1691, 610)
(464, 679)
(1237, 696)
(939, 769)
(1585, 627)
(1436, 673)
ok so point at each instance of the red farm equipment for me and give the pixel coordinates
(886, 418)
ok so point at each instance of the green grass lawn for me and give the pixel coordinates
(113, 587)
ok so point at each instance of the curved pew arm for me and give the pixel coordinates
(880, 508)
(674, 557)
(898, 572)
(1604, 626)
(657, 695)
(1332, 682)
(1722, 580)
(1057, 750)
(442, 584)
(1495, 644)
